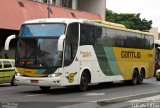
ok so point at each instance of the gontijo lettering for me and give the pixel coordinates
(86, 54)
(130, 54)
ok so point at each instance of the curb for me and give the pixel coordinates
(126, 98)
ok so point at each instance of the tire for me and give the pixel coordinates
(135, 78)
(84, 82)
(158, 79)
(44, 88)
(141, 77)
(13, 82)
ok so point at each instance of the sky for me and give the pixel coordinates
(149, 9)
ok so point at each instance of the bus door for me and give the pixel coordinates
(71, 64)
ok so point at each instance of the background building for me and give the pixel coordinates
(154, 31)
(14, 12)
(93, 6)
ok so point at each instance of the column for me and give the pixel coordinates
(49, 1)
(75, 4)
(57, 2)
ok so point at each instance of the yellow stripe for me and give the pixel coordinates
(30, 72)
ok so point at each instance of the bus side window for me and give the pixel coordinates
(87, 35)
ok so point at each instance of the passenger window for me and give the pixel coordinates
(7, 64)
(87, 35)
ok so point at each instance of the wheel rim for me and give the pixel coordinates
(141, 78)
(135, 79)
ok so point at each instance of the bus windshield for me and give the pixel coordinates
(42, 30)
(38, 53)
(37, 45)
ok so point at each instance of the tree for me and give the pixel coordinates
(131, 21)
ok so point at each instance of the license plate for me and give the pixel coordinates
(34, 81)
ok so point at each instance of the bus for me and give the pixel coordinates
(79, 52)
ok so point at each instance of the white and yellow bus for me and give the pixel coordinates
(67, 52)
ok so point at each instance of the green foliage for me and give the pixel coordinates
(131, 21)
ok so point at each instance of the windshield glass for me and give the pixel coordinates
(40, 30)
(38, 53)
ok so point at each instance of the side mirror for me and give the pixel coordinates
(7, 42)
(60, 42)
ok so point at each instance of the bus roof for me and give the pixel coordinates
(56, 20)
(118, 26)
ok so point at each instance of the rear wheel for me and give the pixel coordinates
(44, 88)
(135, 78)
(84, 82)
(141, 77)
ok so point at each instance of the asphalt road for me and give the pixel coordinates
(31, 96)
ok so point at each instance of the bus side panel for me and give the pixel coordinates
(135, 58)
(71, 74)
(108, 64)
(101, 64)
(88, 61)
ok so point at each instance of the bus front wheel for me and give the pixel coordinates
(84, 82)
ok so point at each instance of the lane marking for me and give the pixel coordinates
(94, 94)
(5, 89)
(34, 95)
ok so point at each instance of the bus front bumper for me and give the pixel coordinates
(43, 81)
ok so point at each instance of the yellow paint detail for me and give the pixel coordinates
(118, 26)
(30, 72)
(128, 59)
(71, 77)
(110, 24)
(86, 54)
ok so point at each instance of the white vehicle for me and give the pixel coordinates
(67, 52)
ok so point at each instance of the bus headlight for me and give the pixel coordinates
(55, 75)
(18, 74)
